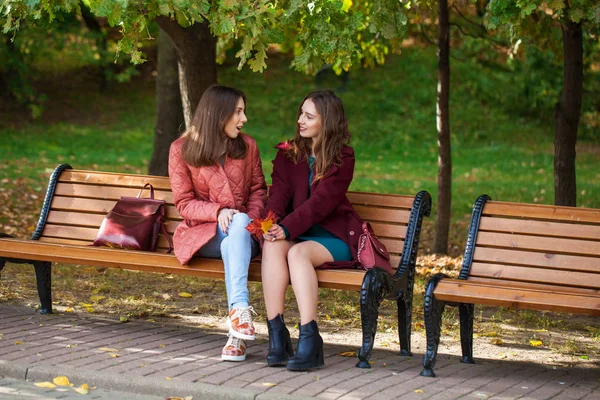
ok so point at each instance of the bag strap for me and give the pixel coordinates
(163, 229)
(151, 191)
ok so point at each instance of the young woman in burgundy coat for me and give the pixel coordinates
(317, 224)
(218, 186)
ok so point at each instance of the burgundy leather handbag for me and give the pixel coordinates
(134, 223)
(371, 252)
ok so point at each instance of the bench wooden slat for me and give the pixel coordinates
(108, 193)
(536, 243)
(90, 220)
(155, 262)
(536, 275)
(382, 214)
(114, 179)
(471, 292)
(75, 204)
(539, 211)
(539, 228)
(557, 261)
(537, 286)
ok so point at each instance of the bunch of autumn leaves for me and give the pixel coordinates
(258, 226)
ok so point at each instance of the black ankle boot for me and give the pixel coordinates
(310, 349)
(280, 345)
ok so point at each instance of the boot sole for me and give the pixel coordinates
(303, 367)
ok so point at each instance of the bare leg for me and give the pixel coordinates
(302, 259)
(275, 275)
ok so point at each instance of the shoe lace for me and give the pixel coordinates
(246, 315)
(235, 342)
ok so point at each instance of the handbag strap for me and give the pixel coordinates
(163, 229)
(151, 190)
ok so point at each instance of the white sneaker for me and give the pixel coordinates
(240, 323)
(234, 350)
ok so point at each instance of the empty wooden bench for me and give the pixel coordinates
(519, 256)
(77, 201)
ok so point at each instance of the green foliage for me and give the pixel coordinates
(321, 31)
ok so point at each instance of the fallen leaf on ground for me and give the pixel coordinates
(348, 354)
(68, 309)
(536, 343)
(185, 294)
(584, 357)
(62, 381)
(497, 341)
(114, 355)
(45, 385)
(18, 342)
(109, 349)
(83, 389)
(419, 391)
(269, 384)
(123, 319)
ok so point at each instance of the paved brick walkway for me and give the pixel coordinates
(168, 360)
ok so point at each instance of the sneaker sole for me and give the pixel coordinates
(233, 358)
(237, 334)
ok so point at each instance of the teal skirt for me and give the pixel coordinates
(336, 246)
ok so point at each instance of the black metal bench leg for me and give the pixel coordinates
(43, 276)
(404, 325)
(371, 296)
(433, 310)
(466, 332)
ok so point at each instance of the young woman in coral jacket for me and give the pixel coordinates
(218, 187)
(311, 175)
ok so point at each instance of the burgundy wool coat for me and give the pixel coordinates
(326, 204)
(199, 194)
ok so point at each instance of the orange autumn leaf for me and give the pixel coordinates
(259, 226)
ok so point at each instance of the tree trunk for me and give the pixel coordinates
(566, 116)
(442, 223)
(169, 111)
(196, 52)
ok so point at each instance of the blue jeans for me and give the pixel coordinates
(236, 248)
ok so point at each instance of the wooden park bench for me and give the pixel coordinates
(518, 256)
(77, 201)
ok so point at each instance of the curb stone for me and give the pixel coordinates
(133, 384)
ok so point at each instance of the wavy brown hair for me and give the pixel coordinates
(334, 134)
(205, 140)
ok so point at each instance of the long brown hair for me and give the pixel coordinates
(205, 139)
(333, 136)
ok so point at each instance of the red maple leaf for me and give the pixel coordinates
(258, 227)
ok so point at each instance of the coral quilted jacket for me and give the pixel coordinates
(199, 194)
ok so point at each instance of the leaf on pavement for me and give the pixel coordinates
(419, 391)
(109, 349)
(348, 354)
(536, 343)
(185, 294)
(45, 385)
(269, 384)
(62, 381)
(83, 389)
(497, 341)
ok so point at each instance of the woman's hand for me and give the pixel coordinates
(275, 233)
(225, 216)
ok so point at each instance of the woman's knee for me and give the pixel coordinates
(239, 221)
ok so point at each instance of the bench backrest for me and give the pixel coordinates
(82, 199)
(537, 244)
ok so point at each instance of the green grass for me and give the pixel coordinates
(391, 111)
